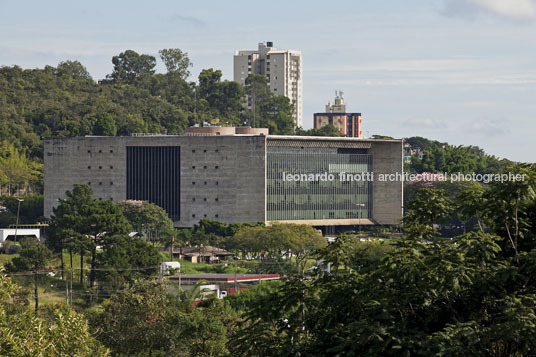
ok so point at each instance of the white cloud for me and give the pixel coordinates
(516, 9)
(425, 122)
(486, 127)
(508, 9)
(409, 65)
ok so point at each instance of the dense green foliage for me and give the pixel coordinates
(32, 257)
(17, 171)
(144, 319)
(31, 209)
(473, 295)
(82, 224)
(278, 240)
(268, 110)
(442, 157)
(147, 218)
(328, 130)
(56, 331)
(275, 242)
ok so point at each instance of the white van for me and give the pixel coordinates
(167, 268)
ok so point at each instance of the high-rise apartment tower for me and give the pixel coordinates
(282, 68)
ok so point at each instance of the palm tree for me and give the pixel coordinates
(186, 298)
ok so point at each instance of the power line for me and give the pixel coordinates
(24, 273)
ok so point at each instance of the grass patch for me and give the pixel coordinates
(67, 261)
(6, 258)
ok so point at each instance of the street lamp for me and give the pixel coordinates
(360, 205)
(18, 210)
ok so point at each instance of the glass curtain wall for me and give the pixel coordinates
(297, 191)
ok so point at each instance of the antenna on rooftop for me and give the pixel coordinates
(338, 94)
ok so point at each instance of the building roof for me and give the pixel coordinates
(337, 113)
(206, 251)
(328, 138)
(20, 232)
(224, 278)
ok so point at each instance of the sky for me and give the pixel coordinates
(456, 71)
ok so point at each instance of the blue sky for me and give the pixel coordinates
(461, 71)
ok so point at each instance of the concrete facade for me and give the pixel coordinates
(387, 194)
(222, 177)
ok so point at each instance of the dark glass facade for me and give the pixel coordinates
(335, 195)
(153, 174)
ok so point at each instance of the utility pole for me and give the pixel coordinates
(71, 295)
(360, 205)
(67, 292)
(237, 290)
(36, 296)
(17, 225)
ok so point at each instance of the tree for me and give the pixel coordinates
(130, 65)
(176, 61)
(328, 130)
(267, 110)
(276, 114)
(16, 170)
(33, 256)
(104, 125)
(74, 69)
(148, 219)
(471, 202)
(223, 98)
(509, 205)
(297, 239)
(203, 330)
(134, 321)
(68, 227)
(257, 91)
(207, 81)
(278, 240)
(105, 221)
(429, 207)
(125, 259)
(31, 208)
(88, 222)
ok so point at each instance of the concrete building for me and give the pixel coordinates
(347, 124)
(282, 68)
(235, 177)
